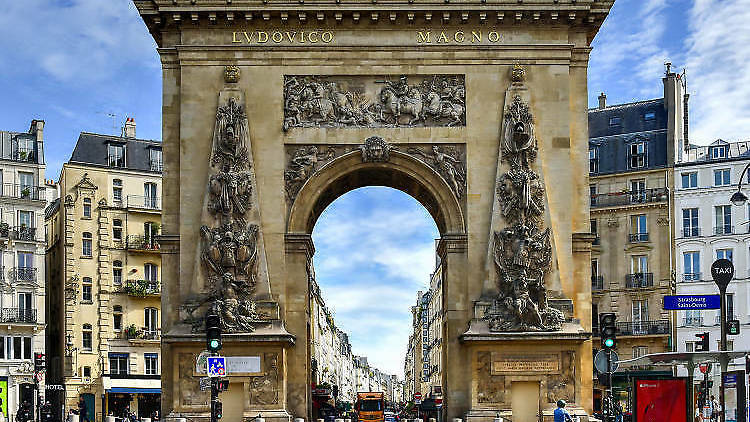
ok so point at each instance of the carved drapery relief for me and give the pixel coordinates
(229, 247)
(264, 390)
(522, 251)
(448, 160)
(190, 393)
(359, 101)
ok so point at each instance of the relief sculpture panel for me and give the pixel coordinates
(365, 101)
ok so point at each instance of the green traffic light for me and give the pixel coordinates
(214, 344)
(609, 342)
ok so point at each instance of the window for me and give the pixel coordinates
(118, 363)
(149, 195)
(690, 222)
(87, 244)
(117, 317)
(15, 347)
(117, 230)
(723, 219)
(26, 218)
(117, 191)
(615, 121)
(87, 372)
(721, 177)
(637, 155)
(693, 318)
(86, 290)
(689, 180)
(718, 152)
(86, 338)
(26, 185)
(649, 115)
(689, 346)
(25, 148)
(86, 207)
(724, 254)
(594, 160)
(151, 272)
(593, 194)
(117, 272)
(24, 304)
(155, 159)
(116, 155)
(640, 316)
(692, 265)
(639, 264)
(638, 228)
(152, 363)
(638, 191)
(639, 351)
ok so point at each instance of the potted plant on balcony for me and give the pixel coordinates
(25, 192)
(132, 332)
(4, 229)
(23, 155)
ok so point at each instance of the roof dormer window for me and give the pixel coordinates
(116, 155)
(718, 152)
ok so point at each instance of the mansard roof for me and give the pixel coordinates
(91, 149)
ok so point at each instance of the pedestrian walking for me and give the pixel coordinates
(715, 409)
(562, 415)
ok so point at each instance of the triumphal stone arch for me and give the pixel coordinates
(477, 108)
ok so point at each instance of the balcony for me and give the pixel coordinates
(144, 202)
(144, 333)
(638, 237)
(692, 321)
(691, 232)
(24, 274)
(629, 198)
(692, 277)
(16, 315)
(24, 233)
(639, 280)
(725, 229)
(597, 240)
(156, 165)
(142, 243)
(35, 193)
(141, 288)
(642, 328)
(597, 283)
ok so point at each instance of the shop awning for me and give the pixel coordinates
(134, 390)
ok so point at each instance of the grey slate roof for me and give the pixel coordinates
(699, 154)
(52, 208)
(91, 149)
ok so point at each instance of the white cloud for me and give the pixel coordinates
(718, 52)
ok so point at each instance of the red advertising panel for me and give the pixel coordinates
(661, 400)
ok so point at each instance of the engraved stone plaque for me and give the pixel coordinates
(525, 364)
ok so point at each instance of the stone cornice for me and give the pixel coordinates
(168, 15)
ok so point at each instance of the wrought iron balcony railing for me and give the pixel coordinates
(156, 165)
(27, 274)
(641, 328)
(725, 229)
(10, 190)
(638, 237)
(143, 243)
(691, 277)
(597, 240)
(629, 197)
(144, 202)
(143, 333)
(24, 233)
(18, 315)
(639, 280)
(691, 232)
(141, 288)
(597, 283)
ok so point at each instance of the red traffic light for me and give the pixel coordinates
(222, 385)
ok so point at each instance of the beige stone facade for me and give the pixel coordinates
(367, 48)
(105, 277)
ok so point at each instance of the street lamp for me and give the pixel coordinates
(739, 198)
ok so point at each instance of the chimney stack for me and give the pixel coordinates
(602, 100)
(128, 131)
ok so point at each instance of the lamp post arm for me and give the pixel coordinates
(742, 177)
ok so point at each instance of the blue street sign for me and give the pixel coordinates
(682, 302)
(216, 366)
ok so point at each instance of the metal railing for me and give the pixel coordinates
(629, 197)
(691, 232)
(141, 288)
(597, 283)
(597, 240)
(24, 233)
(18, 315)
(23, 274)
(10, 190)
(156, 165)
(725, 229)
(141, 334)
(638, 237)
(144, 202)
(688, 277)
(639, 280)
(640, 328)
(140, 242)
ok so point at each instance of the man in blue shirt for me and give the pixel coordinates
(562, 415)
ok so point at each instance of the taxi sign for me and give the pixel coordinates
(216, 366)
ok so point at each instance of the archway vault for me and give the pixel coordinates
(401, 171)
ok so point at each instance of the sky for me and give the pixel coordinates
(86, 65)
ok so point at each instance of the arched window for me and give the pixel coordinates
(87, 342)
(117, 272)
(86, 290)
(117, 229)
(87, 245)
(87, 207)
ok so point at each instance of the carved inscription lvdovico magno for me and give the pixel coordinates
(535, 363)
(328, 36)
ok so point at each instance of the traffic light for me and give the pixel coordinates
(702, 345)
(608, 330)
(217, 410)
(213, 333)
(733, 327)
(39, 362)
(222, 385)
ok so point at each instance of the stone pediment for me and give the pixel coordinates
(86, 183)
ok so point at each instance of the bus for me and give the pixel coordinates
(370, 407)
